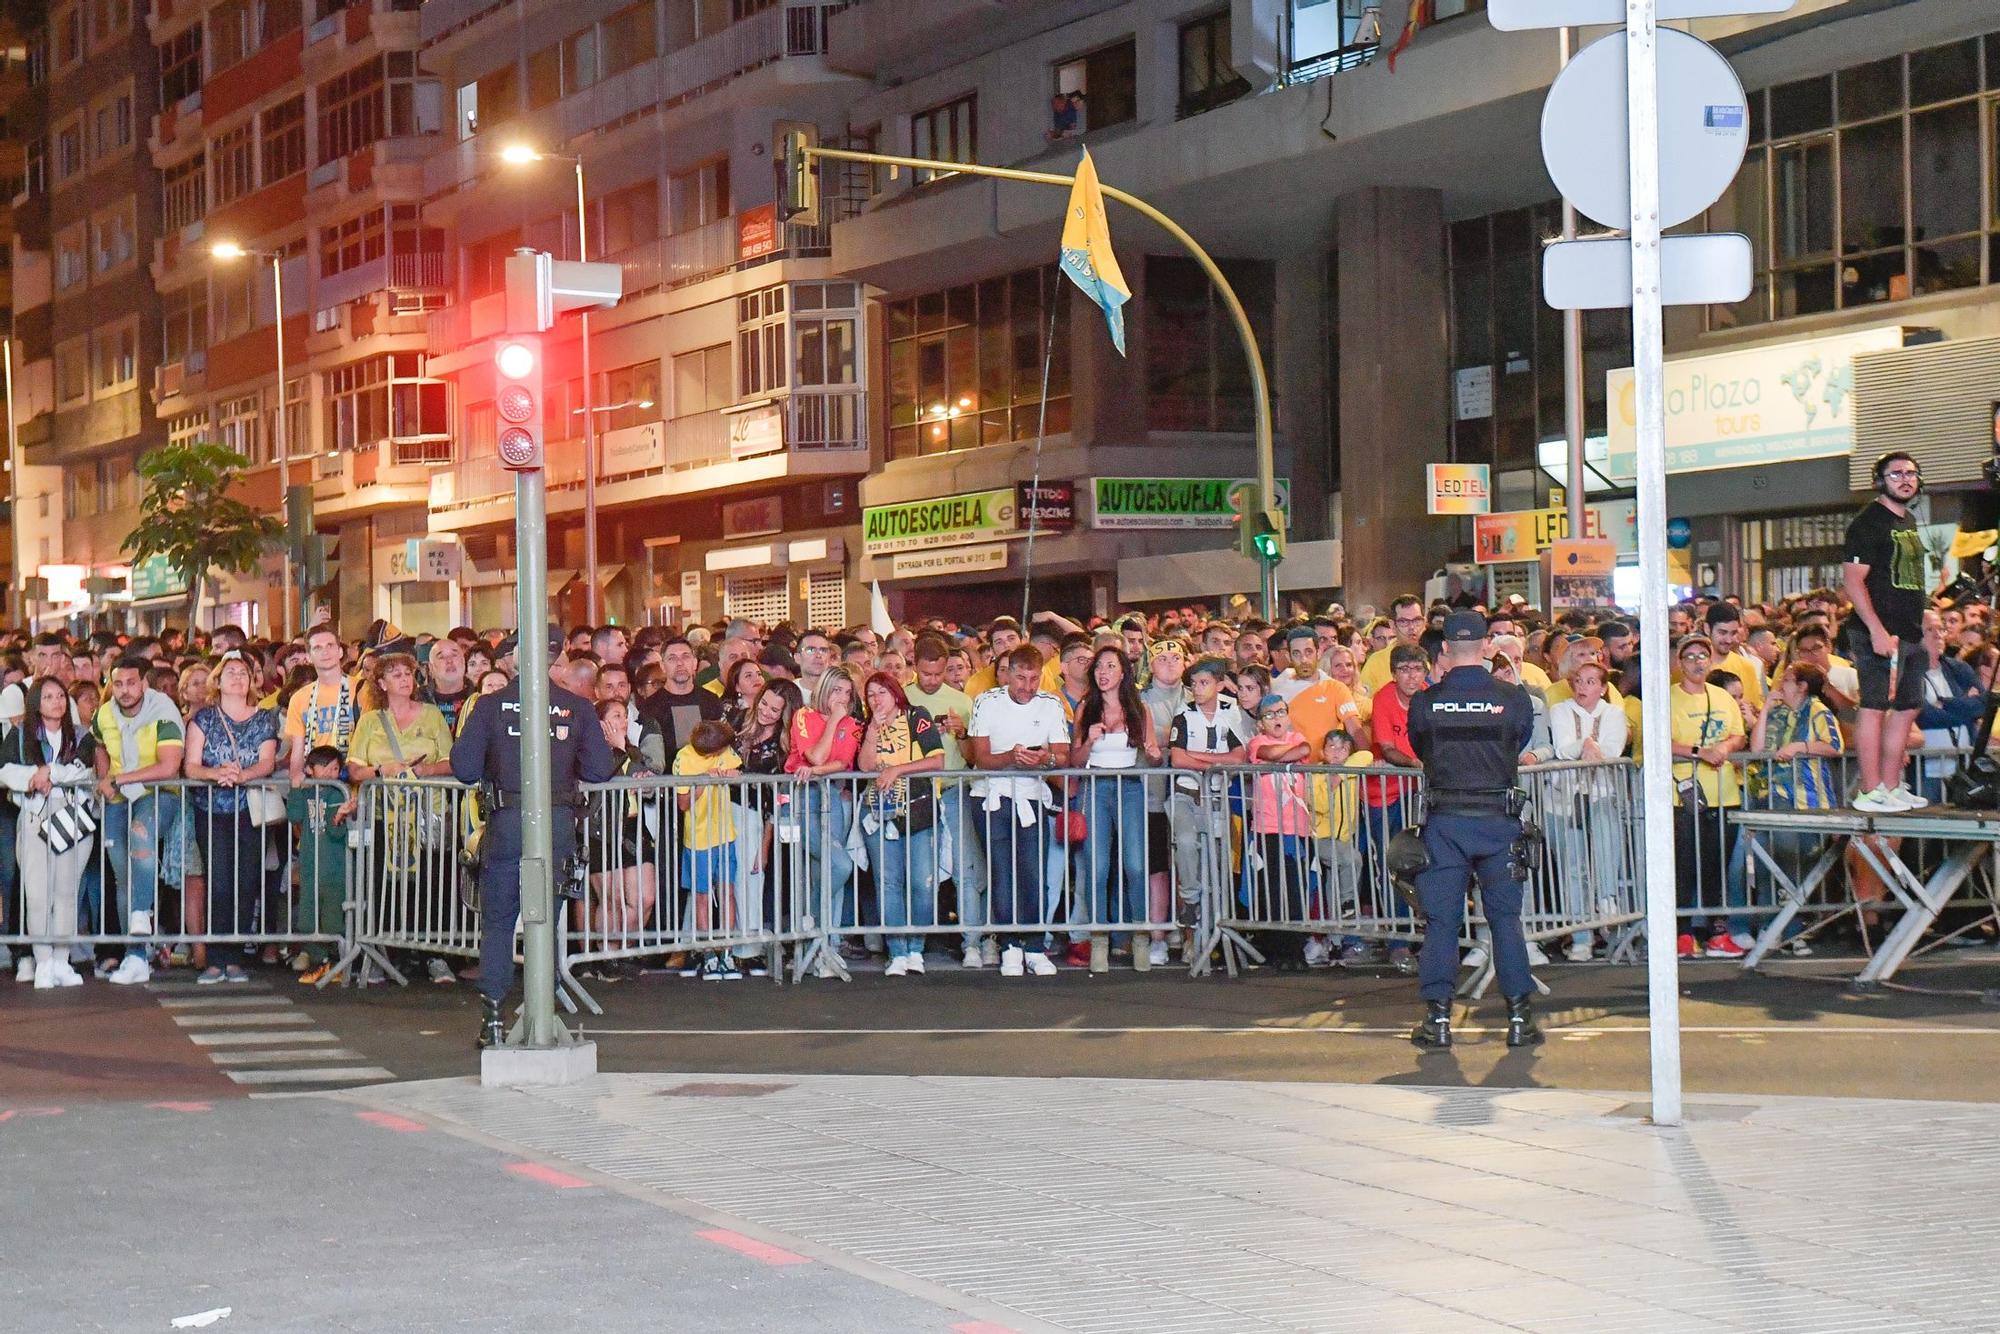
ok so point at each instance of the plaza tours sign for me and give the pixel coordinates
(1757, 406)
(945, 521)
(1171, 502)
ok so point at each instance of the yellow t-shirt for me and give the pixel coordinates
(1745, 671)
(1532, 675)
(981, 681)
(1336, 802)
(1633, 708)
(1702, 719)
(1375, 672)
(710, 821)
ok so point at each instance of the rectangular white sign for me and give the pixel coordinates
(950, 560)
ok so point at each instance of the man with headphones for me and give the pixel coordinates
(1883, 574)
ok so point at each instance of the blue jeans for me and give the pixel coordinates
(968, 865)
(132, 846)
(830, 871)
(1015, 859)
(1117, 812)
(905, 883)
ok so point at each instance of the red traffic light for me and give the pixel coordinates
(516, 360)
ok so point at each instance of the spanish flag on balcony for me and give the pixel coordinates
(1086, 251)
(1423, 13)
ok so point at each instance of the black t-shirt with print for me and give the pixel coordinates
(1892, 548)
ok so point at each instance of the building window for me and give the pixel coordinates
(580, 64)
(628, 38)
(384, 97)
(946, 133)
(183, 322)
(232, 33)
(702, 381)
(352, 243)
(234, 153)
(35, 179)
(276, 18)
(110, 127)
(357, 404)
(490, 102)
(631, 396)
(824, 344)
(1864, 186)
(1208, 69)
(1096, 90)
(68, 28)
(965, 364)
(544, 77)
(239, 425)
(72, 371)
(187, 428)
(1197, 378)
(113, 238)
(760, 342)
(284, 139)
(70, 265)
(69, 151)
(233, 300)
(184, 193)
(627, 218)
(180, 66)
(698, 197)
(115, 357)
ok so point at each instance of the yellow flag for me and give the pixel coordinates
(1086, 251)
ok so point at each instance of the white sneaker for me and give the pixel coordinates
(1475, 958)
(1038, 964)
(1010, 961)
(972, 959)
(1877, 801)
(897, 966)
(1157, 955)
(65, 974)
(913, 963)
(1907, 799)
(1316, 952)
(132, 969)
(1535, 956)
(45, 975)
(989, 950)
(142, 924)
(105, 967)
(1577, 951)
(25, 970)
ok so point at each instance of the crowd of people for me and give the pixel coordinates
(213, 766)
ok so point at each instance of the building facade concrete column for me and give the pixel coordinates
(1393, 326)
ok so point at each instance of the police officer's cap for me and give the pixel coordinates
(1464, 627)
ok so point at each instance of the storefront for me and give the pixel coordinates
(967, 557)
(416, 583)
(799, 581)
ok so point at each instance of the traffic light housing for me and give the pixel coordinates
(319, 561)
(798, 174)
(298, 520)
(1264, 535)
(517, 402)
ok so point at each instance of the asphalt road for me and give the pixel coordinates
(1793, 1029)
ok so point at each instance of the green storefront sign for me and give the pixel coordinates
(946, 521)
(1170, 502)
(153, 577)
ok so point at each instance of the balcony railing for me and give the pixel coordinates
(420, 270)
(672, 260)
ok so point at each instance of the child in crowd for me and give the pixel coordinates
(317, 811)
(1278, 866)
(1336, 805)
(708, 847)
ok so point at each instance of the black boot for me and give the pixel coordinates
(492, 1030)
(1435, 1030)
(1521, 1029)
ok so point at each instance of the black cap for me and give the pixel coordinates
(1464, 627)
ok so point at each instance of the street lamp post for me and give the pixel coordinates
(228, 251)
(520, 155)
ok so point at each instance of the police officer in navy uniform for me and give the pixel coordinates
(488, 752)
(1469, 730)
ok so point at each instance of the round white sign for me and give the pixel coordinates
(1704, 128)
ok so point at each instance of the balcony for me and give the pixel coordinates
(862, 38)
(806, 435)
(189, 375)
(673, 260)
(388, 474)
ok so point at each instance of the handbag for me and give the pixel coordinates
(1071, 827)
(67, 826)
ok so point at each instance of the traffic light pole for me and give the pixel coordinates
(538, 953)
(1267, 479)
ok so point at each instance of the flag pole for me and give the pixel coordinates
(1035, 486)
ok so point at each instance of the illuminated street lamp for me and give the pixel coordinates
(228, 252)
(524, 155)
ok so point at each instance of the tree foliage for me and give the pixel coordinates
(188, 518)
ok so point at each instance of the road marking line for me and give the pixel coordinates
(277, 1020)
(8, 1114)
(265, 1057)
(981, 1327)
(339, 1074)
(762, 1252)
(183, 1106)
(252, 1039)
(1796, 1030)
(218, 1002)
(548, 1176)
(402, 1125)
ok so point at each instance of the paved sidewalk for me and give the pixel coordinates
(1174, 1207)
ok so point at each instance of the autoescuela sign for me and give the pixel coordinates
(1170, 502)
(945, 521)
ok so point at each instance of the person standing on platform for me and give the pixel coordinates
(1883, 575)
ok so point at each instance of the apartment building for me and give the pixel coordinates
(731, 422)
(297, 130)
(1383, 229)
(85, 316)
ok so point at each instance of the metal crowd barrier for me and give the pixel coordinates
(170, 864)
